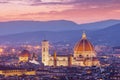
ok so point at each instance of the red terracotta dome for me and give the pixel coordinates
(83, 45)
(25, 53)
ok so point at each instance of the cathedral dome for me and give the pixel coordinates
(25, 53)
(83, 45)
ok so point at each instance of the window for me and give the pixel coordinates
(80, 56)
(43, 49)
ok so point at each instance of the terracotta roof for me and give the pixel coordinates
(25, 53)
(84, 45)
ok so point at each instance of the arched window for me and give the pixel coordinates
(80, 56)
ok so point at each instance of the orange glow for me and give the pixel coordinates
(1, 50)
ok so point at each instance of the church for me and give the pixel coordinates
(84, 55)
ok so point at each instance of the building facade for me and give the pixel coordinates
(16, 72)
(84, 55)
(24, 56)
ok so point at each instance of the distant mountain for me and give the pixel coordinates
(106, 36)
(13, 27)
(38, 36)
(99, 25)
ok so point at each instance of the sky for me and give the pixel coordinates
(79, 11)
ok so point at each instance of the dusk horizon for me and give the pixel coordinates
(79, 11)
(60, 20)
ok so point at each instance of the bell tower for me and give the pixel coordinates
(45, 52)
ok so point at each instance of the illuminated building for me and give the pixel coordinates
(45, 52)
(1, 51)
(16, 72)
(24, 56)
(84, 55)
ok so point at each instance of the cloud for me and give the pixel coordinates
(60, 9)
(58, 1)
(20, 2)
(3, 1)
(36, 2)
(61, 2)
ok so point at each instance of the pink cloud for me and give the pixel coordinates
(80, 11)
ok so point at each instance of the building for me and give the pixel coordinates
(34, 59)
(24, 56)
(15, 71)
(84, 55)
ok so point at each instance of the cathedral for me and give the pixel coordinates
(84, 55)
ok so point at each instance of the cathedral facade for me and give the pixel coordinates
(84, 55)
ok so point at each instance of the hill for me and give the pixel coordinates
(99, 25)
(107, 36)
(14, 27)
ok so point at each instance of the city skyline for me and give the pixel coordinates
(79, 11)
(60, 40)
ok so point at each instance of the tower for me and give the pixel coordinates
(45, 52)
(55, 59)
(34, 57)
(70, 60)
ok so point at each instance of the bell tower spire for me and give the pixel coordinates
(45, 52)
(55, 59)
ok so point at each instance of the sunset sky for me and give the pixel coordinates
(79, 11)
